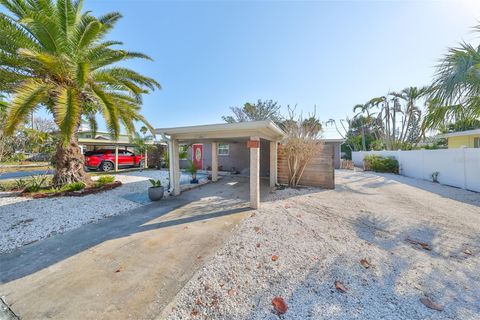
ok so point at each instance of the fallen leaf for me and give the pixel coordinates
(423, 245)
(365, 263)
(280, 305)
(340, 287)
(232, 292)
(198, 302)
(430, 304)
(468, 252)
(258, 245)
(194, 313)
(257, 229)
(120, 269)
(274, 258)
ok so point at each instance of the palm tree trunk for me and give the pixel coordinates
(69, 165)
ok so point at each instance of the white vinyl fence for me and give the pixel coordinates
(457, 167)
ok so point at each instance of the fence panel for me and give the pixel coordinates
(457, 167)
(320, 172)
(472, 169)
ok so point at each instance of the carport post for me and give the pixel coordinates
(273, 164)
(255, 173)
(116, 158)
(214, 162)
(145, 164)
(175, 167)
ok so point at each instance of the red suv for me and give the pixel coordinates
(105, 159)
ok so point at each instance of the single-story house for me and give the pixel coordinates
(233, 156)
(462, 139)
(252, 148)
(248, 137)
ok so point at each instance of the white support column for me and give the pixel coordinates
(176, 167)
(145, 164)
(214, 161)
(273, 164)
(116, 158)
(255, 175)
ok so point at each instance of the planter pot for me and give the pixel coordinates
(156, 193)
(194, 181)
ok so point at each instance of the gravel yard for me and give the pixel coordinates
(24, 220)
(419, 241)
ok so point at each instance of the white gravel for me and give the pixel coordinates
(320, 236)
(25, 220)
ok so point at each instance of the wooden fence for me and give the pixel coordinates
(320, 172)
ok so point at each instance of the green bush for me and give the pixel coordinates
(103, 180)
(75, 186)
(36, 183)
(380, 164)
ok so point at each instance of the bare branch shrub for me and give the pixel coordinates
(301, 143)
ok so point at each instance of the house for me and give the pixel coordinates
(463, 139)
(233, 156)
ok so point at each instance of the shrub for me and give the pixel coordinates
(75, 186)
(103, 180)
(155, 183)
(36, 183)
(380, 164)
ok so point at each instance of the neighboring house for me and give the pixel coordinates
(89, 141)
(463, 139)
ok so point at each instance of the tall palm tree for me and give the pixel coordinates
(411, 113)
(53, 54)
(457, 86)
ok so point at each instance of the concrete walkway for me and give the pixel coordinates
(124, 267)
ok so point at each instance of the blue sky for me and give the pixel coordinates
(213, 55)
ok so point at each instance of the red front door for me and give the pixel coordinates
(198, 156)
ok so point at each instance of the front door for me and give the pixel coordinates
(198, 156)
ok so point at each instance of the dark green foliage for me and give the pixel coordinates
(380, 164)
(155, 183)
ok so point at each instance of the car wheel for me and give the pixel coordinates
(107, 166)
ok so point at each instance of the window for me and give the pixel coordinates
(476, 142)
(223, 149)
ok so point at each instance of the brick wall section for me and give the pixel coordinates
(320, 172)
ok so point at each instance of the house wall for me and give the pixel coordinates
(238, 158)
(457, 167)
(463, 141)
(320, 172)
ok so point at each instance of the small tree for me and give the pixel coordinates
(300, 144)
(261, 110)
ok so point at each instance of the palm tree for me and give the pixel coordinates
(143, 130)
(52, 54)
(411, 113)
(457, 86)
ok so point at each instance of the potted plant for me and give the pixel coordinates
(192, 169)
(156, 191)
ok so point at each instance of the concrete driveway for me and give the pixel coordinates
(124, 267)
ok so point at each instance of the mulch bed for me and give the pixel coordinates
(80, 193)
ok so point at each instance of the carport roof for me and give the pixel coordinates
(264, 129)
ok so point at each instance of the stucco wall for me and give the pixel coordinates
(238, 158)
(457, 167)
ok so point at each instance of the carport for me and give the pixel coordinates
(117, 145)
(249, 133)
